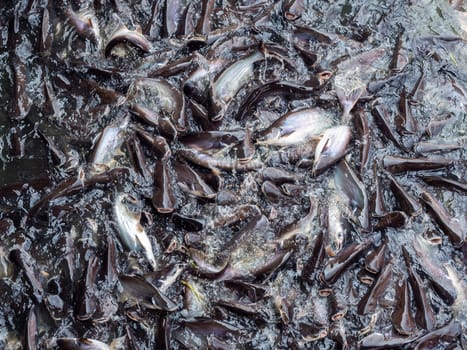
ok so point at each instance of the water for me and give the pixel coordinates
(84, 94)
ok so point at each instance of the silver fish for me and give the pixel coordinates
(230, 81)
(130, 230)
(295, 128)
(331, 147)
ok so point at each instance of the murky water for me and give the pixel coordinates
(242, 260)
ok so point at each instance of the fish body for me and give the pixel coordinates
(108, 145)
(295, 128)
(130, 230)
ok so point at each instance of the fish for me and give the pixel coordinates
(451, 226)
(159, 95)
(331, 148)
(85, 24)
(295, 128)
(226, 86)
(145, 293)
(125, 35)
(130, 230)
(81, 344)
(107, 146)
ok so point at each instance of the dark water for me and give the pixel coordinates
(72, 91)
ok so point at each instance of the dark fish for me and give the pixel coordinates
(88, 301)
(424, 316)
(81, 344)
(348, 98)
(153, 27)
(434, 271)
(212, 141)
(111, 273)
(123, 36)
(171, 68)
(430, 147)
(21, 102)
(205, 267)
(309, 56)
(201, 115)
(31, 271)
(369, 302)
(405, 200)
(444, 335)
(301, 227)
(402, 318)
(405, 121)
(339, 307)
(240, 213)
(138, 158)
(46, 35)
(161, 96)
(173, 17)
(273, 88)
(353, 193)
(246, 149)
(250, 309)
(361, 124)
(338, 264)
(274, 194)
(381, 116)
(451, 226)
(218, 162)
(77, 184)
(377, 204)
(163, 124)
(204, 22)
(254, 292)
(449, 182)
(375, 260)
(164, 332)
(57, 155)
(301, 155)
(194, 182)
(435, 127)
(293, 9)
(146, 294)
(394, 219)
(16, 143)
(279, 176)
(315, 260)
(163, 200)
(397, 59)
(207, 326)
(107, 95)
(85, 24)
(396, 164)
(308, 33)
(196, 85)
(158, 143)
